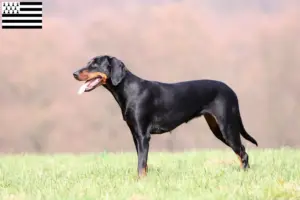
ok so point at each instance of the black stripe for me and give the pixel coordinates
(31, 3)
(21, 27)
(21, 21)
(30, 9)
(22, 15)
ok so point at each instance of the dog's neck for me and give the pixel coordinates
(124, 90)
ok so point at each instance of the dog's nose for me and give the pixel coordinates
(76, 75)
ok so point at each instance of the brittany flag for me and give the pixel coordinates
(22, 15)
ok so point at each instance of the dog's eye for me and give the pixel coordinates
(93, 66)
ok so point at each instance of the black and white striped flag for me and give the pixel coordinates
(22, 15)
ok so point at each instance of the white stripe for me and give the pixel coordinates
(30, 12)
(22, 18)
(31, 6)
(21, 24)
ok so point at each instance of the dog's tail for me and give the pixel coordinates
(244, 132)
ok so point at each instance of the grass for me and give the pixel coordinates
(215, 174)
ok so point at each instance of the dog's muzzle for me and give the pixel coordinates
(92, 80)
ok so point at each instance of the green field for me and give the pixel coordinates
(215, 174)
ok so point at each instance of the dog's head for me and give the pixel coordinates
(100, 70)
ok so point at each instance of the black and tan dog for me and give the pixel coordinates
(151, 107)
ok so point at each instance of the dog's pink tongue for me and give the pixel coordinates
(94, 82)
(82, 88)
(88, 85)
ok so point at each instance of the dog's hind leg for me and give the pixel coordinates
(231, 134)
(229, 127)
(214, 127)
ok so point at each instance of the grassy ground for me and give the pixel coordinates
(274, 174)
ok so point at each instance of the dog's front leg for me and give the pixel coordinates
(141, 138)
(143, 149)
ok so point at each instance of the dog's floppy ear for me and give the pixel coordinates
(117, 70)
